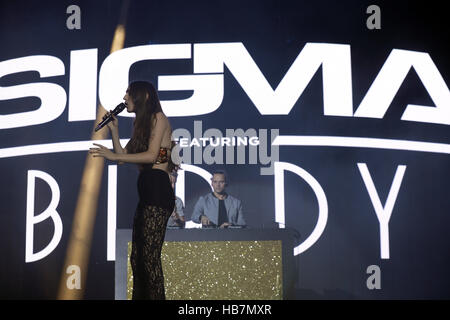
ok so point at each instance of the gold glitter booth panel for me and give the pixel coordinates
(216, 268)
(210, 270)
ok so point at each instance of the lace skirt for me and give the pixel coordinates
(149, 228)
(156, 203)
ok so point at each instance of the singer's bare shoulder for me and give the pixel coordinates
(161, 125)
(160, 116)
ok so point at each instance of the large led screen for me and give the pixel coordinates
(330, 119)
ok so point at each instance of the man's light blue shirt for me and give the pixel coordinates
(208, 205)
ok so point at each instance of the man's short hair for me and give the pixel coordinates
(220, 172)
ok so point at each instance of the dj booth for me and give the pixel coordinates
(217, 264)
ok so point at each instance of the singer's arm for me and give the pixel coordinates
(113, 127)
(148, 156)
(116, 142)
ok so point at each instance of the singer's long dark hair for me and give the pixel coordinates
(145, 114)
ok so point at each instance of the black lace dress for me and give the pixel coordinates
(156, 204)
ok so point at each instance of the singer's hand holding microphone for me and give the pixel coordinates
(113, 125)
(111, 117)
(109, 120)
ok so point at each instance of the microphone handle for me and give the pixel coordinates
(109, 118)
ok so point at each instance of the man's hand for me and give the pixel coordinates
(179, 220)
(205, 221)
(225, 225)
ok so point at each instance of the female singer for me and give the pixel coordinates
(149, 147)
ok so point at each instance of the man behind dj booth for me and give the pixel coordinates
(218, 209)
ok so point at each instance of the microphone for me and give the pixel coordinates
(107, 118)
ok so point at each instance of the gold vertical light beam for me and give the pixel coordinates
(79, 246)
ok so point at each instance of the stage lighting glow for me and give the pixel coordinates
(86, 209)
